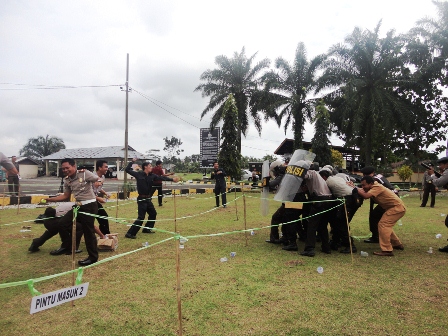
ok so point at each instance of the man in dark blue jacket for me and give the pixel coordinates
(220, 186)
(144, 179)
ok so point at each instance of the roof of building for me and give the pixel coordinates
(111, 152)
(287, 147)
(26, 161)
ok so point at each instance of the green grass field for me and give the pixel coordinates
(261, 291)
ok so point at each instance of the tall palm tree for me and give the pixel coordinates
(236, 76)
(287, 90)
(433, 34)
(364, 73)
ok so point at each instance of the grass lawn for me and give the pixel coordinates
(261, 291)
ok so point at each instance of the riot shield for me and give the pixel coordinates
(264, 204)
(294, 176)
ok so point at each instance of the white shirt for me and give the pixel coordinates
(338, 186)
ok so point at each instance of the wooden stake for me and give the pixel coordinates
(245, 226)
(348, 230)
(236, 206)
(175, 214)
(116, 210)
(3, 202)
(179, 302)
(18, 199)
(73, 251)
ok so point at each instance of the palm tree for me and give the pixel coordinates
(432, 34)
(41, 146)
(365, 72)
(236, 76)
(287, 91)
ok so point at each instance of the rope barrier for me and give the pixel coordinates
(175, 236)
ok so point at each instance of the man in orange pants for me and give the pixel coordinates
(394, 210)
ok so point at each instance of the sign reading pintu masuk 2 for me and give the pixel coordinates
(56, 298)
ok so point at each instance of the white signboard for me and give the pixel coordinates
(56, 298)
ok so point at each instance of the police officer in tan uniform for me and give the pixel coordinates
(80, 184)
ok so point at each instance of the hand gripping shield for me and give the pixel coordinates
(294, 175)
(264, 204)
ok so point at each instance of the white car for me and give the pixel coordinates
(246, 174)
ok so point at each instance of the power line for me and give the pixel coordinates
(153, 99)
(51, 87)
(149, 99)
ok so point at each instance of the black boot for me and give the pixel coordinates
(290, 247)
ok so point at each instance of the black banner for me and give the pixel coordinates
(209, 146)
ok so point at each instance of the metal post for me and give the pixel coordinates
(125, 187)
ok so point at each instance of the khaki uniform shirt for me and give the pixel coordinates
(5, 162)
(81, 185)
(385, 197)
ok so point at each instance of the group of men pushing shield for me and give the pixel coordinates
(327, 197)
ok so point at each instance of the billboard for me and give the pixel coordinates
(209, 146)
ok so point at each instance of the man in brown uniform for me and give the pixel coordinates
(394, 210)
(79, 183)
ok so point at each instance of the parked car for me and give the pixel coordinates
(246, 174)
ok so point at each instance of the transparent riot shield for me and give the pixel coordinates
(294, 176)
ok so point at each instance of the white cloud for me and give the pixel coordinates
(170, 44)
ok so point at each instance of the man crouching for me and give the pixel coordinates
(394, 210)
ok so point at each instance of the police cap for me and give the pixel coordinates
(443, 160)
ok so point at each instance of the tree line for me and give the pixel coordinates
(382, 95)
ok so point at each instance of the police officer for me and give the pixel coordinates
(442, 181)
(80, 184)
(428, 187)
(320, 194)
(52, 224)
(341, 189)
(219, 175)
(377, 212)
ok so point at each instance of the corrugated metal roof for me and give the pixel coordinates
(112, 152)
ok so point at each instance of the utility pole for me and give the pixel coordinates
(125, 186)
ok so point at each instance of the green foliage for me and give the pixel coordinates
(404, 172)
(239, 77)
(365, 107)
(320, 143)
(39, 147)
(229, 156)
(287, 90)
(336, 158)
(172, 146)
(269, 157)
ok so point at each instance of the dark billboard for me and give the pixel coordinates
(209, 146)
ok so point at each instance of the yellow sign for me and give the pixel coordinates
(296, 171)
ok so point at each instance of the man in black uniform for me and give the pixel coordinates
(51, 223)
(428, 187)
(376, 213)
(220, 186)
(144, 179)
(442, 181)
